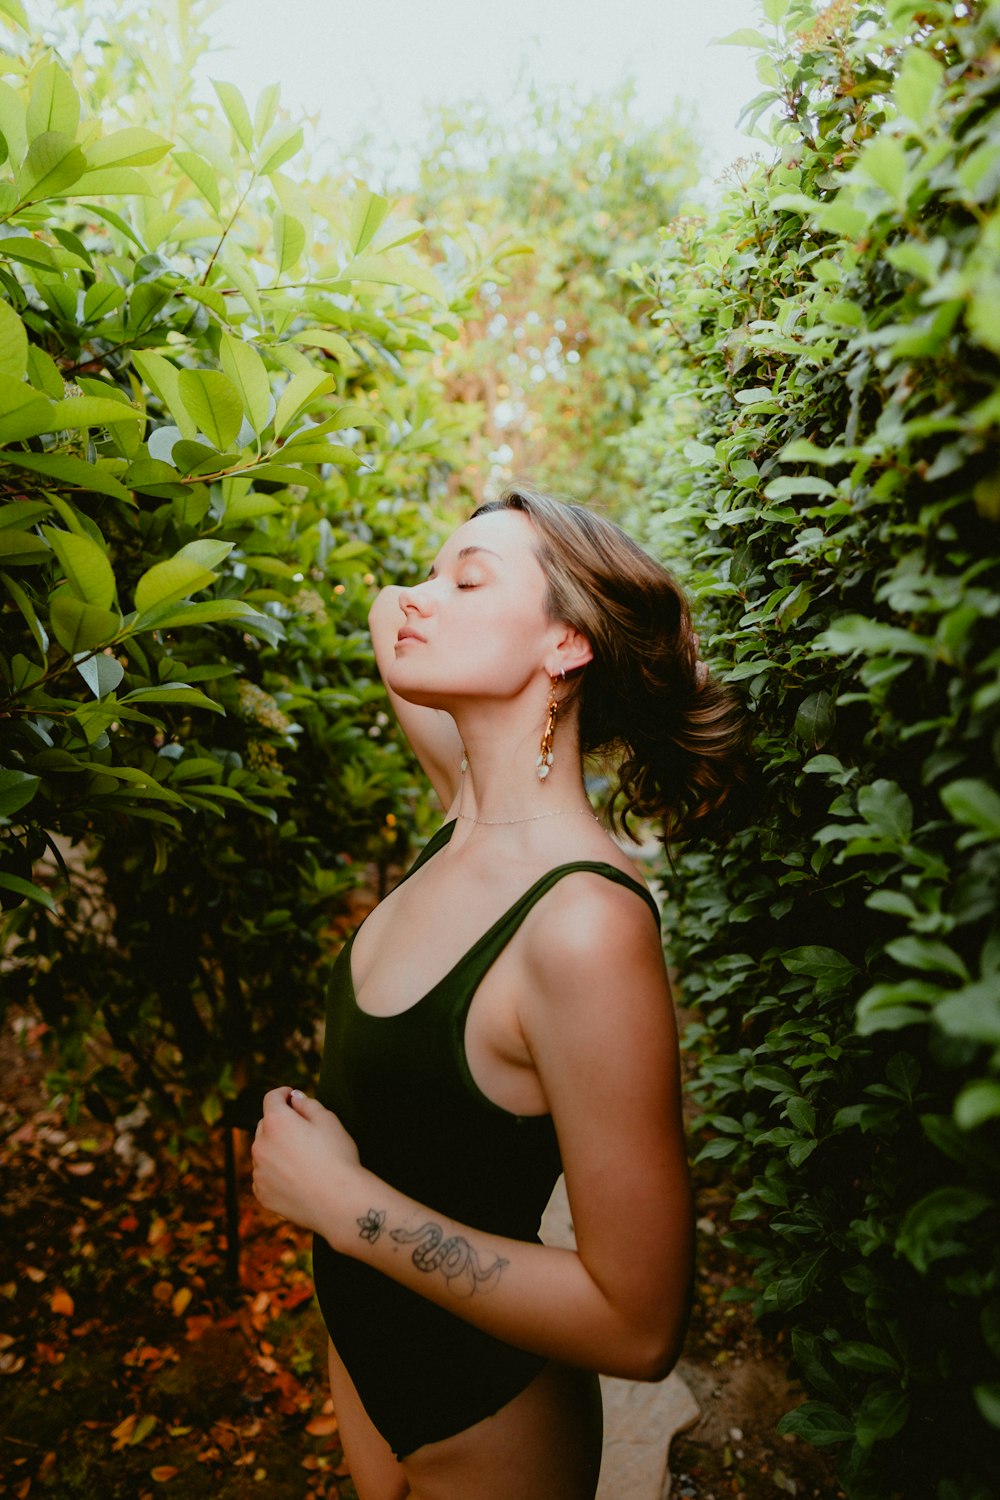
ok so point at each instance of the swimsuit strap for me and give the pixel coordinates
(459, 984)
(484, 952)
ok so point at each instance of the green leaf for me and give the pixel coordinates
(920, 77)
(927, 1231)
(54, 163)
(883, 161)
(117, 181)
(987, 1397)
(975, 803)
(133, 147)
(745, 36)
(20, 548)
(201, 174)
(927, 954)
(101, 673)
(796, 484)
(213, 611)
(236, 112)
(289, 240)
(279, 147)
(15, 10)
(54, 104)
(365, 215)
(13, 343)
(814, 720)
(16, 790)
(27, 609)
(26, 414)
(188, 571)
(396, 270)
(867, 1357)
(79, 412)
(326, 339)
(213, 403)
(163, 378)
(819, 963)
(71, 471)
(818, 1423)
(977, 1103)
(173, 694)
(21, 887)
(973, 1012)
(245, 368)
(858, 633)
(303, 388)
(882, 1414)
(43, 373)
(86, 565)
(78, 626)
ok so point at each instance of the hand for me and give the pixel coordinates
(301, 1152)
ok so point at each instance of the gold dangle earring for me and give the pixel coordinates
(543, 764)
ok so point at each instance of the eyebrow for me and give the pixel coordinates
(468, 552)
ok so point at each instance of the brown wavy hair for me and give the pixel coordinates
(647, 706)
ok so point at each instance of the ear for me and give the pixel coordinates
(571, 652)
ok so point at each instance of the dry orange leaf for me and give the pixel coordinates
(321, 1426)
(163, 1472)
(62, 1303)
(180, 1301)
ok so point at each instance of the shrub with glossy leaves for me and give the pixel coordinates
(822, 447)
(219, 430)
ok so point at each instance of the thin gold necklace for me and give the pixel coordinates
(559, 812)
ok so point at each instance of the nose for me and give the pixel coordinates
(415, 599)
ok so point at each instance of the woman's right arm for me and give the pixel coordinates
(432, 733)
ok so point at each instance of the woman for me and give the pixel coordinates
(504, 1013)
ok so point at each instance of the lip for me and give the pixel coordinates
(408, 634)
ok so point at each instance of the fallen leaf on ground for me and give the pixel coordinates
(321, 1426)
(62, 1303)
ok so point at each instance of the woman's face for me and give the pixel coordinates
(477, 627)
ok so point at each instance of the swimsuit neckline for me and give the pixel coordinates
(471, 953)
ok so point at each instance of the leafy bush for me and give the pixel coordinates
(218, 420)
(821, 446)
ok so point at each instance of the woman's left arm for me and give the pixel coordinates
(599, 1025)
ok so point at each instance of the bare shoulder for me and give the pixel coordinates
(594, 933)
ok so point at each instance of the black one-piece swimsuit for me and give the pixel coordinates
(402, 1087)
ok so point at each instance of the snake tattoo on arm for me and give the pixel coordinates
(453, 1257)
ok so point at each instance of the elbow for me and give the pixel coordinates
(651, 1355)
(657, 1360)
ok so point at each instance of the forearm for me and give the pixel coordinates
(538, 1297)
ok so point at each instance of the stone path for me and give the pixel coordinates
(639, 1419)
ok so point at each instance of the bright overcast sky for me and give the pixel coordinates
(372, 66)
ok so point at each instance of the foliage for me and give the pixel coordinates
(219, 418)
(556, 356)
(821, 446)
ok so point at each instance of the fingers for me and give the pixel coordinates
(276, 1100)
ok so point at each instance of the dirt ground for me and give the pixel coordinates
(130, 1369)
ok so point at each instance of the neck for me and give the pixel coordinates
(501, 783)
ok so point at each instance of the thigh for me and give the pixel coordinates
(375, 1470)
(545, 1444)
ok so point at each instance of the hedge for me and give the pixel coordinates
(220, 429)
(820, 452)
